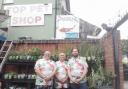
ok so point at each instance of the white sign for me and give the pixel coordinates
(19, 20)
(8, 1)
(26, 15)
(67, 26)
(29, 9)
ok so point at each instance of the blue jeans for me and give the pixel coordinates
(78, 86)
(42, 87)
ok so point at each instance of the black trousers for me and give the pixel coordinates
(79, 86)
(61, 88)
(42, 87)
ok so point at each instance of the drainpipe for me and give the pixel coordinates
(1, 8)
(116, 58)
(55, 18)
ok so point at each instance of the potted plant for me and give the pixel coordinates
(101, 79)
(105, 80)
(35, 53)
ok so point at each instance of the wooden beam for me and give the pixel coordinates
(120, 22)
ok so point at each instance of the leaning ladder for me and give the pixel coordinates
(4, 51)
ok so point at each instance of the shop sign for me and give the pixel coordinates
(29, 20)
(30, 14)
(67, 26)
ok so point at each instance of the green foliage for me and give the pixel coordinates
(91, 49)
(54, 57)
(95, 63)
(26, 55)
(68, 52)
(55, 54)
(124, 45)
(35, 52)
(97, 75)
(100, 78)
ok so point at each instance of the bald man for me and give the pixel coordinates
(61, 81)
(45, 69)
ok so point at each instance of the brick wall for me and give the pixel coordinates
(107, 43)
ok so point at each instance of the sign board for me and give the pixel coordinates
(8, 1)
(28, 20)
(67, 26)
(30, 14)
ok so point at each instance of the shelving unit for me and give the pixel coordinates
(16, 83)
(18, 75)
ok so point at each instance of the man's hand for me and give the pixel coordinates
(73, 80)
(78, 80)
(48, 78)
(64, 80)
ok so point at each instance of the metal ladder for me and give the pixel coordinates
(4, 51)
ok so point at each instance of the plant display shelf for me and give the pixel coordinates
(27, 82)
(20, 80)
(20, 63)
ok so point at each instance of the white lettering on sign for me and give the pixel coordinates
(31, 14)
(28, 20)
(13, 10)
(30, 8)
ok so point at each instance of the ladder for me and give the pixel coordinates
(4, 51)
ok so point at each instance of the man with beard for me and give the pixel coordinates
(45, 69)
(77, 70)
